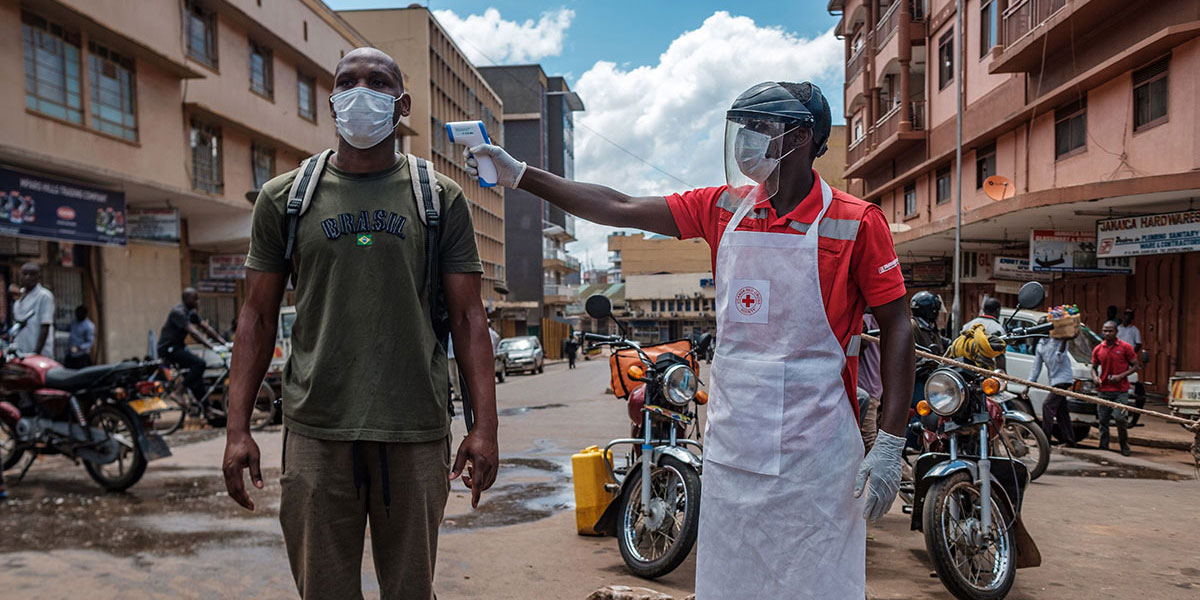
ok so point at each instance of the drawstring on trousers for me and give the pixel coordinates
(360, 474)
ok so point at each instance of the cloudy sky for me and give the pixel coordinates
(655, 76)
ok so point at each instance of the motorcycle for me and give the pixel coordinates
(89, 415)
(966, 499)
(655, 524)
(1022, 434)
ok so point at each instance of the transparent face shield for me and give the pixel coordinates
(753, 151)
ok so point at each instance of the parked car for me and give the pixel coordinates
(1019, 359)
(523, 353)
(501, 366)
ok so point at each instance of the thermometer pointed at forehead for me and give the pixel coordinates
(471, 134)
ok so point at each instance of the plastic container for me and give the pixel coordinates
(591, 498)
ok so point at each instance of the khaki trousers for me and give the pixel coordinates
(324, 516)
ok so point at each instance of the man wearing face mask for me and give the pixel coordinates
(784, 473)
(367, 431)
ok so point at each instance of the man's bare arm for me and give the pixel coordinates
(896, 361)
(42, 335)
(473, 351)
(255, 341)
(601, 204)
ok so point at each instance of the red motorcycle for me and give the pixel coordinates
(83, 414)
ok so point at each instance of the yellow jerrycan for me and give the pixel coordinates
(591, 498)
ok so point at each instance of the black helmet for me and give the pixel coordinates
(925, 305)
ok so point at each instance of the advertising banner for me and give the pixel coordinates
(926, 274)
(1055, 251)
(46, 208)
(1149, 234)
(1016, 269)
(227, 266)
(155, 224)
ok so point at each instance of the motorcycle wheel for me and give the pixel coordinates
(120, 474)
(9, 454)
(1029, 444)
(652, 553)
(168, 420)
(967, 567)
(264, 408)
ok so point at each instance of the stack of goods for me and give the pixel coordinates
(1066, 321)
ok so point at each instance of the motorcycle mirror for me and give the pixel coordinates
(1032, 295)
(598, 306)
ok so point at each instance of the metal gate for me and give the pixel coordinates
(1154, 295)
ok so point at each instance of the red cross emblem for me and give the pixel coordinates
(749, 301)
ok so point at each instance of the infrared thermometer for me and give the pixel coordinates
(471, 134)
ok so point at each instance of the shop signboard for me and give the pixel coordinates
(1056, 251)
(216, 286)
(154, 224)
(227, 266)
(41, 207)
(1149, 234)
(1016, 268)
(926, 274)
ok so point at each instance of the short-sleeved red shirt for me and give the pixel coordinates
(1112, 360)
(857, 259)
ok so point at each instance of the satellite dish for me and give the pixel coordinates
(899, 227)
(998, 187)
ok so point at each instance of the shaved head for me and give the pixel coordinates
(371, 55)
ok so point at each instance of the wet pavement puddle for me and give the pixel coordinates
(1086, 464)
(512, 412)
(532, 489)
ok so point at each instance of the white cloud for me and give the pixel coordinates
(490, 39)
(672, 114)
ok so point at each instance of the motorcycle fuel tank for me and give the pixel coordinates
(27, 373)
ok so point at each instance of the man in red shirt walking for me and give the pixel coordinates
(796, 263)
(1112, 362)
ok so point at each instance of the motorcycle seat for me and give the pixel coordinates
(72, 380)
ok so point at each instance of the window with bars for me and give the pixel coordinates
(262, 162)
(942, 183)
(52, 79)
(206, 158)
(201, 33)
(1070, 129)
(910, 200)
(262, 80)
(1150, 95)
(111, 81)
(946, 60)
(306, 90)
(985, 164)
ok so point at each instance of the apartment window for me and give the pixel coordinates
(942, 184)
(111, 79)
(946, 60)
(910, 200)
(262, 80)
(1070, 128)
(306, 90)
(858, 129)
(206, 158)
(985, 164)
(262, 161)
(989, 27)
(1150, 95)
(201, 32)
(52, 81)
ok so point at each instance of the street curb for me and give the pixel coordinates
(1160, 443)
(1094, 455)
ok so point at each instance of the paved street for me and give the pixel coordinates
(1119, 530)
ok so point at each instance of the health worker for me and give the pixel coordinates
(784, 475)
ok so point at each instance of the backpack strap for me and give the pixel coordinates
(300, 196)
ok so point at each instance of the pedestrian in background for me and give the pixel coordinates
(569, 348)
(1112, 362)
(1130, 334)
(34, 312)
(83, 337)
(1056, 416)
(869, 381)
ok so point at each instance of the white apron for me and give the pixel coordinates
(778, 517)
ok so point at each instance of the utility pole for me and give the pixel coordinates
(956, 308)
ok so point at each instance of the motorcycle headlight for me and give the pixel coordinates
(945, 391)
(680, 385)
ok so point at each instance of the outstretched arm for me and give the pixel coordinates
(595, 203)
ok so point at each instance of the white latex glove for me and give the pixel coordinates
(881, 470)
(508, 169)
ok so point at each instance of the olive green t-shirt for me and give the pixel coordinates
(364, 362)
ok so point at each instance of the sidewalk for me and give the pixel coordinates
(1157, 433)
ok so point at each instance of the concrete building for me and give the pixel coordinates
(539, 129)
(132, 152)
(1086, 108)
(445, 87)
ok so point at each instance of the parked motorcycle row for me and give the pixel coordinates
(974, 449)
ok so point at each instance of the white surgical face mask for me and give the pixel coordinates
(750, 152)
(364, 116)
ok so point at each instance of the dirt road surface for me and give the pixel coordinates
(1106, 528)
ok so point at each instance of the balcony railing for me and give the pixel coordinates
(858, 149)
(1024, 16)
(887, 26)
(558, 290)
(855, 65)
(889, 125)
